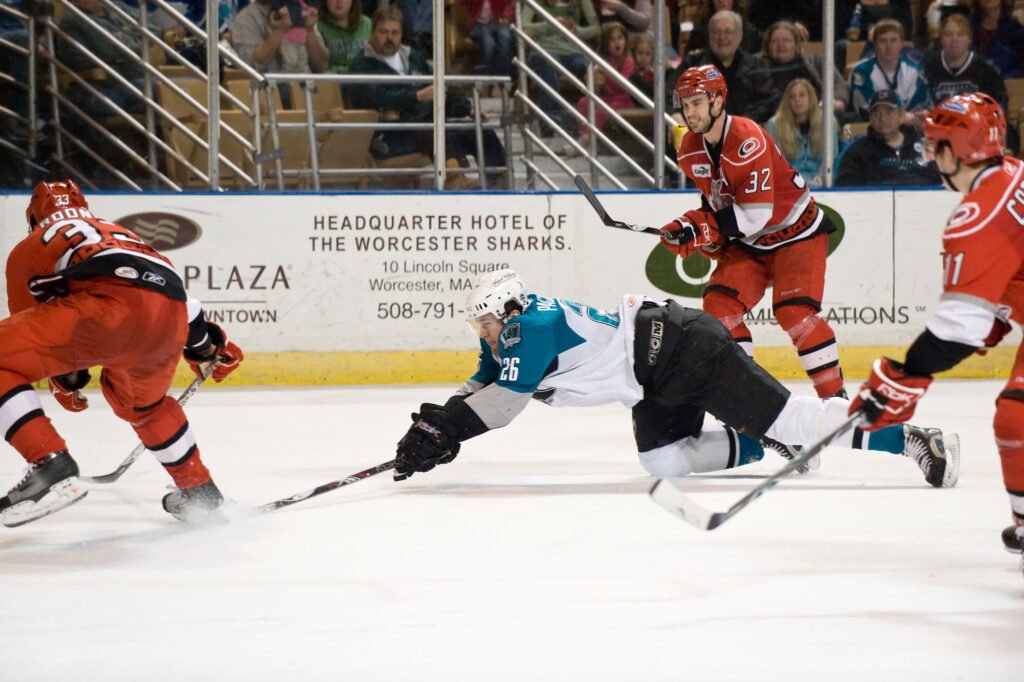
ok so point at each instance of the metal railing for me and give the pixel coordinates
(527, 75)
(201, 125)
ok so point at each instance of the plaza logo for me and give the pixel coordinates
(162, 231)
(686, 277)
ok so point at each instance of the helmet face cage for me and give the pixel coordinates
(973, 126)
(50, 197)
(495, 293)
(695, 80)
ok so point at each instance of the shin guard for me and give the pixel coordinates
(815, 342)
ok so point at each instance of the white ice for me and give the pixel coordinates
(536, 555)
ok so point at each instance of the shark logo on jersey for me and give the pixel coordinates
(510, 335)
(654, 345)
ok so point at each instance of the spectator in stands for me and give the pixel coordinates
(929, 25)
(786, 58)
(490, 20)
(764, 13)
(342, 31)
(699, 37)
(892, 153)
(384, 55)
(998, 35)
(418, 29)
(955, 68)
(751, 91)
(614, 49)
(851, 25)
(95, 45)
(889, 69)
(751, 40)
(579, 17)
(641, 46)
(258, 36)
(797, 128)
(635, 15)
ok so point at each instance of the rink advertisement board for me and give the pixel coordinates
(390, 272)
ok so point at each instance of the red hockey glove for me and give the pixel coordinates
(889, 395)
(680, 237)
(1000, 328)
(225, 354)
(695, 231)
(66, 389)
(707, 238)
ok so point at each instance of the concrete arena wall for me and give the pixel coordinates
(353, 288)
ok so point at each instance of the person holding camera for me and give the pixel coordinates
(262, 35)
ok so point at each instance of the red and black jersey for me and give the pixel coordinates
(72, 245)
(757, 197)
(983, 257)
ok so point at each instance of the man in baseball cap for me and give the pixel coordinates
(892, 153)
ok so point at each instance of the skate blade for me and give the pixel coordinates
(813, 464)
(952, 473)
(201, 517)
(62, 494)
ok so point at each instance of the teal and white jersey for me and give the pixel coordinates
(560, 352)
(908, 82)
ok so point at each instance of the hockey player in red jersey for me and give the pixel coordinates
(759, 221)
(84, 292)
(983, 284)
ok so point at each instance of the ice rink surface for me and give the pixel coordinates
(536, 555)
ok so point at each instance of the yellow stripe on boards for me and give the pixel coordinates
(454, 367)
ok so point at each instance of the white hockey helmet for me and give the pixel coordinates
(497, 293)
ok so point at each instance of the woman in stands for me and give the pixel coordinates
(797, 129)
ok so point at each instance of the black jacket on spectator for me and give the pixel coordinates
(397, 102)
(978, 74)
(751, 90)
(871, 162)
(1005, 47)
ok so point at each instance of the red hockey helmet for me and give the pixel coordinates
(50, 197)
(697, 79)
(973, 125)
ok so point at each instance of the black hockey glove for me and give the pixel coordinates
(431, 440)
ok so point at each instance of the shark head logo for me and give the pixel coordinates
(686, 277)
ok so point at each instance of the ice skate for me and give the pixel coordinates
(937, 454)
(195, 505)
(790, 452)
(1013, 539)
(49, 485)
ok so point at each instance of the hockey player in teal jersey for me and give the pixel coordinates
(669, 363)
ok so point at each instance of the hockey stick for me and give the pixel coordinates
(603, 214)
(140, 448)
(326, 487)
(678, 503)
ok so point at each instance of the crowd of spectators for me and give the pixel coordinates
(915, 54)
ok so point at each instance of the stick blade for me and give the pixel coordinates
(674, 501)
